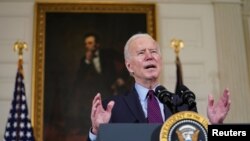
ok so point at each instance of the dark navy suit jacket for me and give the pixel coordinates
(127, 108)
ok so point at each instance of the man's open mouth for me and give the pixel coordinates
(150, 66)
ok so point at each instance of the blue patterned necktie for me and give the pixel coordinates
(154, 112)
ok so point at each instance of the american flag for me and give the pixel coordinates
(179, 79)
(18, 127)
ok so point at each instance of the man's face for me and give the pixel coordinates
(144, 59)
(90, 43)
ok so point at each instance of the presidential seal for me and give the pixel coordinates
(185, 126)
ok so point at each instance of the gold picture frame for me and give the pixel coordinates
(41, 49)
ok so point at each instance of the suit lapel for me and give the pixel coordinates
(167, 112)
(132, 101)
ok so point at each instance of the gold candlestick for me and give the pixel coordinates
(177, 44)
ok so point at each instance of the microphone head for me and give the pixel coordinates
(164, 95)
(187, 96)
(159, 89)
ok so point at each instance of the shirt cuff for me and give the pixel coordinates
(92, 136)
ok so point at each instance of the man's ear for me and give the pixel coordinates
(128, 67)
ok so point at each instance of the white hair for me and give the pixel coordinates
(131, 39)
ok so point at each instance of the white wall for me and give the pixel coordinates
(194, 24)
(192, 21)
(16, 23)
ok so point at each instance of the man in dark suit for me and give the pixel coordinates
(97, 72)
(98, 66)
(144, 63)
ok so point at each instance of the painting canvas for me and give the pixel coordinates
(61, 107)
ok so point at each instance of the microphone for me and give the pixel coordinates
(187, 96)
(164, 96)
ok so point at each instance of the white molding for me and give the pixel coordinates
(227, 1)
(134, 1)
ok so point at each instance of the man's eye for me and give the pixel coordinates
(140, 53)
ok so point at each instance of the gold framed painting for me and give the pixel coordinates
(60, 111)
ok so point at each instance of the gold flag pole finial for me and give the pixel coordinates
(18, 47)
(177, 44)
